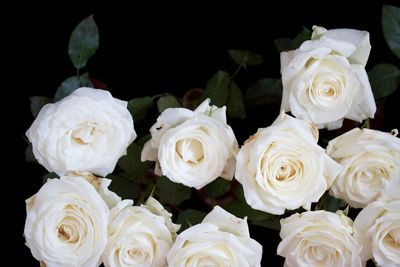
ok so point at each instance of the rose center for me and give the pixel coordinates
(327, 83)
(138, 254)
(211, 261)
(328, 91)
(67, 233)
(208, 261)
(318, 254)
(286, 171)
(85, 134)
(190, 150)
(374, 172)
(392, 239)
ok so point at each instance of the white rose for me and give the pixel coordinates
(139, 236)
(282, 167)
(369, 158)
(377, 227)
(391, 191)
(155, 207)
(220, 240)
(66, 223)
(101, 185)
(87, 131)
(192, 147)
(319, 238)
(324, 81)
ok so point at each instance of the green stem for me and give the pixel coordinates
(366, 123)
(237, 71)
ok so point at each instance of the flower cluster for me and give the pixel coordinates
(76, 220)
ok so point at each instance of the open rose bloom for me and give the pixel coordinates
(370, 158)
(88, 131)
(66, 223)
(324, 81)
(319, 238)
(192, 147)
(377, 227)
(139, 235)
(220, 240)
(282, 167)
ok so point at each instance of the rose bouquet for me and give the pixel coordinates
(185, 192)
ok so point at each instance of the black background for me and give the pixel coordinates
(159, 48)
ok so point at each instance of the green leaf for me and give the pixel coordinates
(172, 193)
(29, 156)
(242, 209)
(71, 84)
(124, 186)
(139, 107)
(283, 44)
(391, 27)
(239, 193)
(245, 57)
(147, 192)
(286, 44)
(50, 175)
(300, 38)
(329, 203)
(384, 79)
(189, 218)
(168, 101)
(85, 81)
(217, 188)
(265, 91)
(235, 105)
(83, 42)
(37, 102)
(217, 88)
(67, 87)
(131, 162)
